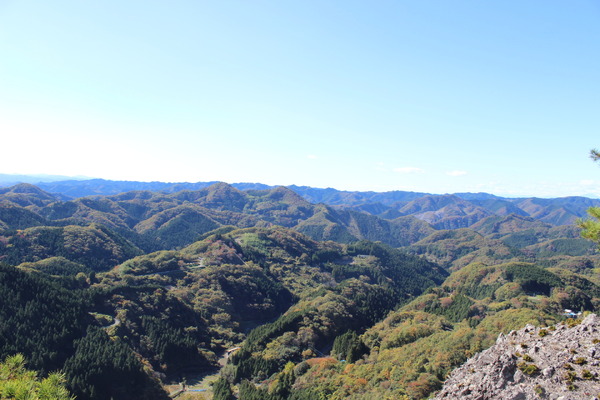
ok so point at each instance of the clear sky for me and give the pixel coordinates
(434, 96)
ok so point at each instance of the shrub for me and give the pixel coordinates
(570, 376)
(528, 369)
(586, 374)
(539, 390)
(572, 322)
(580, 361)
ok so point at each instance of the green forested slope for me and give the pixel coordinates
(408, 354)
(39, 318)
(93, 246)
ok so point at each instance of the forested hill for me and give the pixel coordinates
(124, 333)
(447, 211)
(155, 220)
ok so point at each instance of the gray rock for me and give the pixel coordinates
(497, 373)
(501, 338)
(548, 372)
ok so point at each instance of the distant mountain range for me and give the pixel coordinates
(448, 229)
(446, 211)
(13, 179)
(157, 220)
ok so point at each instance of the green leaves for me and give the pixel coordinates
(590, 228)
(16, 382)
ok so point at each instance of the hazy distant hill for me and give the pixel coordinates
(505, 224)
(559, 211)
(25, 194)
(352, 198)
(74, 189)
(445, 212)
(13, 179)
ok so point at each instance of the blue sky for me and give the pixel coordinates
(433, 96)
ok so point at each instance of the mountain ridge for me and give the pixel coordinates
(159, 220)
(444, 211)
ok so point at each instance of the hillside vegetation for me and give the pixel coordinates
(370, 296)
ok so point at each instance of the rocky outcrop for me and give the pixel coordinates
(559, 363)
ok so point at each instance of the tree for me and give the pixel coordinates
(590, 228)
(222, 390)
(18, 382)
(102, 368)
(349, 347)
